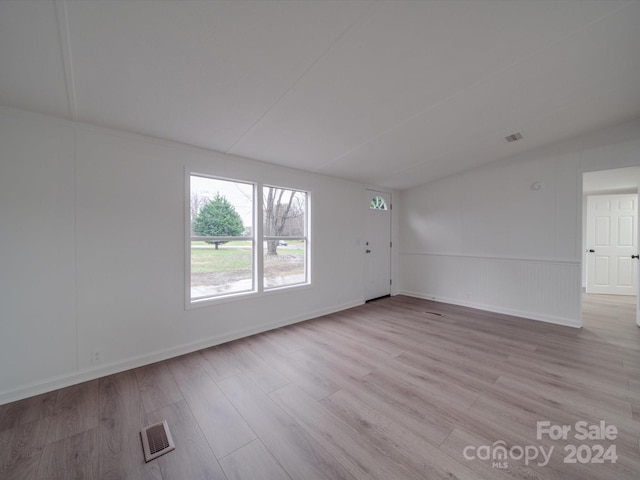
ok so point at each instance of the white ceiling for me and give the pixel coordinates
(389, 93)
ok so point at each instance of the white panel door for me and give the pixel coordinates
(612, 239)
(377, 246)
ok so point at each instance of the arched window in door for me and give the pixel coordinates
(378, 203)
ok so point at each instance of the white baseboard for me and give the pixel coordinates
(566, 322)
(157, 356)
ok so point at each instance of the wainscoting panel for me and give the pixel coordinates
(540, 289)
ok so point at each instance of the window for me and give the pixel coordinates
(378, 203)
(222, 237)
(230, 253)
(285, 241)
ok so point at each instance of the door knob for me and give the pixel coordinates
(635, 256)
(591, 250)
(368, 251)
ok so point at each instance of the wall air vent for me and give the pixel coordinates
(156, 441)
(513, 137)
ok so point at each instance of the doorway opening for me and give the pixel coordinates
(610, 265)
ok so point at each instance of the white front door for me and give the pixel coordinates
(612, 238)
(377, 245)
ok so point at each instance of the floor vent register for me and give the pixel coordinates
(156, 440)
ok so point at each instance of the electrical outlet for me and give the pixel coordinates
(96, 357)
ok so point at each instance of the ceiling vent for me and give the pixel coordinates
(156, 441)
(513, 137)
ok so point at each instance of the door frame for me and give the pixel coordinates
(368, 190)
(582, 225)
(614, 230)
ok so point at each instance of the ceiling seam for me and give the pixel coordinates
(65, 46)
(301, 76)
(478, 82)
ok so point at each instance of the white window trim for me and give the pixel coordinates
(258, 245)
(306, 238)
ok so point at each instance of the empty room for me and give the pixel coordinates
(319, 239)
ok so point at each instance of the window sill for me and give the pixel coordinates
(241, 296)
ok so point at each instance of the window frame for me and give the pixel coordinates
(191, 302)
(376, 204)
(305, 238)
(257, 238)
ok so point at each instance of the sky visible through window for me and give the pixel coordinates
(239, 194)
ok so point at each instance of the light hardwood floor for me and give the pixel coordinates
(390, 390)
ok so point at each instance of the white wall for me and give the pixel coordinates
(37, 252)
(92, 252)
(485, 238)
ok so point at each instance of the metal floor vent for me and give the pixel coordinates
(435, 314)
(156, 441)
